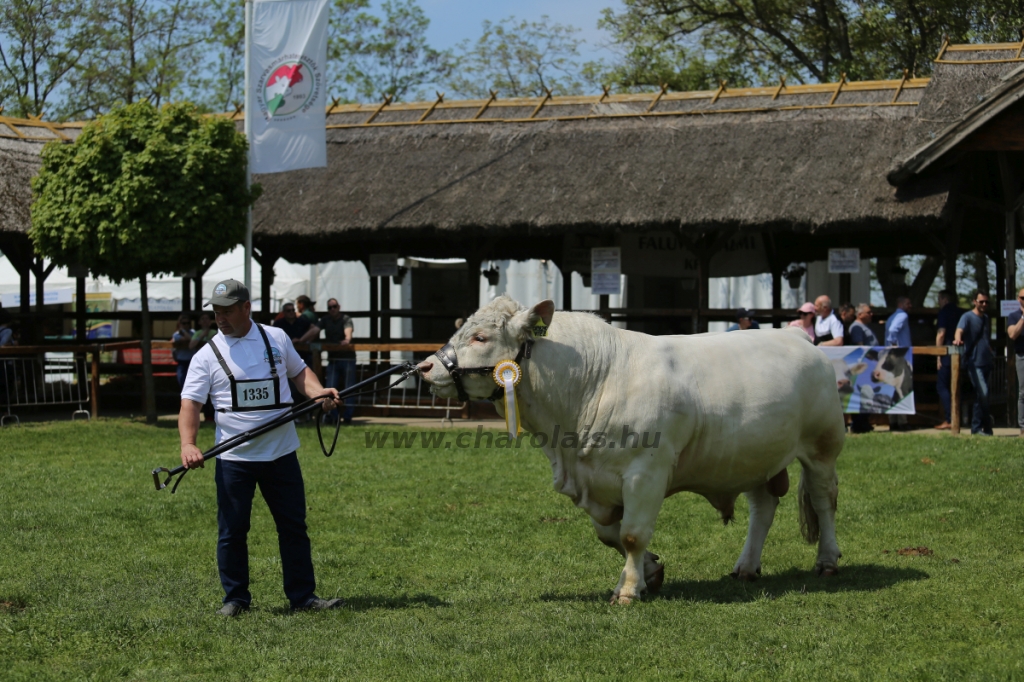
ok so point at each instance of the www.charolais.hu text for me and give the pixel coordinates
(434, 438)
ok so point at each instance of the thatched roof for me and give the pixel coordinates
(804, 158)
(970, 86)
(19, 161)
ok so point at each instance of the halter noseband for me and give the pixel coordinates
(451, 363)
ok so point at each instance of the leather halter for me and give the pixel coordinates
(451, 363)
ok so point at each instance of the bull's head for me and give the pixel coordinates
(492, 334)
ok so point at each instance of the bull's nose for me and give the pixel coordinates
(424, 366)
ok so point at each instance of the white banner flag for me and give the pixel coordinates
(286, 91)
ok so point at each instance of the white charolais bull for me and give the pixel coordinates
(722, 414)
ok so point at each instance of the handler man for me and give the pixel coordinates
(245, 369)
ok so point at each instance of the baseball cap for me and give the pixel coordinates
(806, 308)
(229, 292)
(743, 312)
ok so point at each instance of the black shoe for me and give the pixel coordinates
(318, 604)
(232, 609)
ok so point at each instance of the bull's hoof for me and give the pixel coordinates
(655, 580)
(827, 570)
(621, 601)
(745, 576)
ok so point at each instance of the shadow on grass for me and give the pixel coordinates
(368, 603)
(726, 590)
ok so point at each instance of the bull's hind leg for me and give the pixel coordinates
(654, 572)
(818, 493)
(762, 513)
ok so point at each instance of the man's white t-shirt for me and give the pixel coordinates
(247, 359)
(828, 325)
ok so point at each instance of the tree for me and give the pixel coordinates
(373, 56)
(520, 59)
(146, 50)
(756, 41)
(143, 190)
(41, 41)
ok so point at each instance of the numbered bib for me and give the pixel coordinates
(255, 394)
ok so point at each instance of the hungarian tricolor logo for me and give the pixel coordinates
(288, 88)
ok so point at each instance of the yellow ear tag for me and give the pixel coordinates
(507, 374)
(540, 329)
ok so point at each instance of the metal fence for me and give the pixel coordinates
(44, 379)
(412, 393)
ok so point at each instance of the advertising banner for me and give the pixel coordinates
(286, 92)
(873, 380)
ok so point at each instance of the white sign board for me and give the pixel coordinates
(605, 270)
(50, 297)
(843, 261)
(1007, 307)
(383, 264)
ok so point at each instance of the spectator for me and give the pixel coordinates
(847, 314)
(897, 327)
(1015, 327)
(305, 308)
(207, 330)
(181, 351)
(6, 329)
(949, 315)
(744, 320)
(6, 366)
(897, 333)
(861, 333)
(341, 365)
(298, 329)
(972, 332)
(806, 319)
(828, 329)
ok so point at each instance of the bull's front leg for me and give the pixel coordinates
(643, 492)
(654, 572)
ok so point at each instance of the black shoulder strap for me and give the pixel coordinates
(270, 352)
(220, 359)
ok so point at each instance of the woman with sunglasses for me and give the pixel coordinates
(806, 319)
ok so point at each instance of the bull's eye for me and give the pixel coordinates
(479, 338)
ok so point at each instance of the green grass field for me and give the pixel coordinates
(464, 564)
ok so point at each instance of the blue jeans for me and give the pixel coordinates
(341, 374)
(281, 485)
(182, 373)
(944, 388)
(980, 421)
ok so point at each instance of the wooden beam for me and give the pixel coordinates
(376, 112)
(839, 88)
(542, 103)
(657, 98)
(430, 110)
(483, 108)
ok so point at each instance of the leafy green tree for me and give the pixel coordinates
(41, 42)
(520, 59)
(150, 50)
(143, 190)
(374, 55)
(756, 41)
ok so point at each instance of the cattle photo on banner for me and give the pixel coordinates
(873, 380)
(286, 94)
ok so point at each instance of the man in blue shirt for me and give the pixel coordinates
(897, 327)
(973, 332)
(949, 315)
(1015, 330)
(744, 320)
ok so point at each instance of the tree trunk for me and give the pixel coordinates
(148, 387)
(981, 271)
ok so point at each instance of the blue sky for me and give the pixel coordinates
(452, 21)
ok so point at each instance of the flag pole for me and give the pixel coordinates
(248, 157)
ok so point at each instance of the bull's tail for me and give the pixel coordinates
(808, 517)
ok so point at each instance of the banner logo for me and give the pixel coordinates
(290, 85)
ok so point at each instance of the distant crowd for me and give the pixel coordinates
(971, 330)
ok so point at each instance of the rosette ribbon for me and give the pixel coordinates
(507, 375)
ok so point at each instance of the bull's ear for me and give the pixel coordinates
(523, 322)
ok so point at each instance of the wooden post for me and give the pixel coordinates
(385, 310)
(777, 295)
(94, 384)
(1010, 189)
(954, 390)
(602, 306)
(266, 280)
(952, 246)
(567, 290)
(80, 309)
(703, 287)
(845, 288)
(186, 294)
